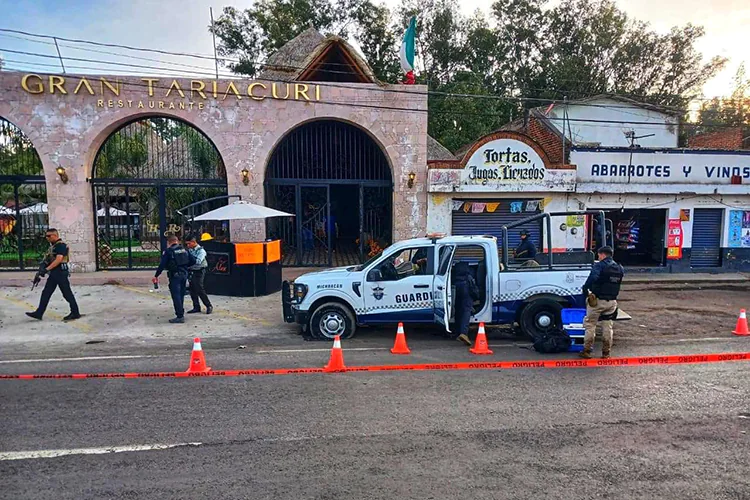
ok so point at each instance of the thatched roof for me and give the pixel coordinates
(302, 54)
(436, 151)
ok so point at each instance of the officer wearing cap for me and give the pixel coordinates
(526, 249)
(600, 291)
(176, 260)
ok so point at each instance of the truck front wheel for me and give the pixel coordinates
(332, 319)
(539, 317)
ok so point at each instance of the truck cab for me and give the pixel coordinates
(410, 282)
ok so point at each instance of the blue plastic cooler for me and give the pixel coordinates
(572, 320)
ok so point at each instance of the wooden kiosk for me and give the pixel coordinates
(243, 269)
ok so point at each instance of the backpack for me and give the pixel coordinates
(552, 342)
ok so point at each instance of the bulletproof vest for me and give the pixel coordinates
(179, 260)
(49, 257)
(607, 287)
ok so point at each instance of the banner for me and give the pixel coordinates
(674, 239)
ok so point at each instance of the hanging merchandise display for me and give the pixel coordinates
(627, 234)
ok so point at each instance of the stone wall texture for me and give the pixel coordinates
(67, 130)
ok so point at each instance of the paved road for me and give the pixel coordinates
(636, 432)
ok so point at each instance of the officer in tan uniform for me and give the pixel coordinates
(601, 290)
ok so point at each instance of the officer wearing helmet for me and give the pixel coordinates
(176, 260)
(526, 249)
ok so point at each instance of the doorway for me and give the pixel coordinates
(143, 174)
(639, 236)
(337, 182)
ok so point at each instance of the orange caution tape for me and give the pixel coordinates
(485, 365)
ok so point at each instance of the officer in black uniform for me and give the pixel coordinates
(600, 291)
(464, 303)
(56, 264)
(526, 249)
(176, 261)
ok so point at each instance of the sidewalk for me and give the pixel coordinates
(127, 278)
(143, 277)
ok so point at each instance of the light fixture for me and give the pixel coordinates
(63, 175)
(412, 176)
(245, 176)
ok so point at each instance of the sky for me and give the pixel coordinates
(181, 26)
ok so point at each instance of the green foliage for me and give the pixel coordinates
(524, 48)
(733, 111)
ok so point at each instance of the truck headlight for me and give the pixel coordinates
(300, 291)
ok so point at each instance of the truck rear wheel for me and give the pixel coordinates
(539, 317)
(331, 319)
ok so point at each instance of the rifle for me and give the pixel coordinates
(38, 276)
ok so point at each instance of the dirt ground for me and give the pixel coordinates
(131, 317)
(681, 310)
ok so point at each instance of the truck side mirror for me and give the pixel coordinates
(375, 275)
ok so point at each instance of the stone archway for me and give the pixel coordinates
(338, 182)
(143, 173)
(24, 214)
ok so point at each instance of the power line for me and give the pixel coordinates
(259, 65)
(207, 72)
(360, 104)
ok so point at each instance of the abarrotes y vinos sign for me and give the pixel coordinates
(676, 166)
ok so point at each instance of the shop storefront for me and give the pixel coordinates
(503, 178)
(674, 210)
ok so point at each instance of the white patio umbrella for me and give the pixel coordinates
(113, 212)
(6, 211)
(242, 210)
(38, 208)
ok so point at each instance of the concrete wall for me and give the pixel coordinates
(68, 128)
(611, 134)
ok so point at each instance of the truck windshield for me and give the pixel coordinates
(369, 261)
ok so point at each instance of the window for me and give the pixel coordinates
(407, 262)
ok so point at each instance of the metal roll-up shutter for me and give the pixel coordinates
(471, 224)
(706, 248)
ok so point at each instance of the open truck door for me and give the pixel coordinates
(441, 285)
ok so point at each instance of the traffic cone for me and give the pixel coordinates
(336, 362)
(400, 347)
(197, 360)
(741, 328)
(480, 346)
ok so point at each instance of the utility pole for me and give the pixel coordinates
(630, 135)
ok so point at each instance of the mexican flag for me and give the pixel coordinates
(406, 54)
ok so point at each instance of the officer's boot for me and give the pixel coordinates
(606, 348)
(587, 350)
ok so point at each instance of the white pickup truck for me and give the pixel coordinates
(410, 282)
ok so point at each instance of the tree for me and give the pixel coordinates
(250, 36)
(524, 49)
(732, 111)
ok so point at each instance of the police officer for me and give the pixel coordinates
(462, 280)
(197, 276)
(56, 264)
(600, 291)
(526, 249)
(176, 261)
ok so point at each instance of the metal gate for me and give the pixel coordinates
(24, 216)
(479, 217)
(143, 174)
(337, 182)
(706, 247)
